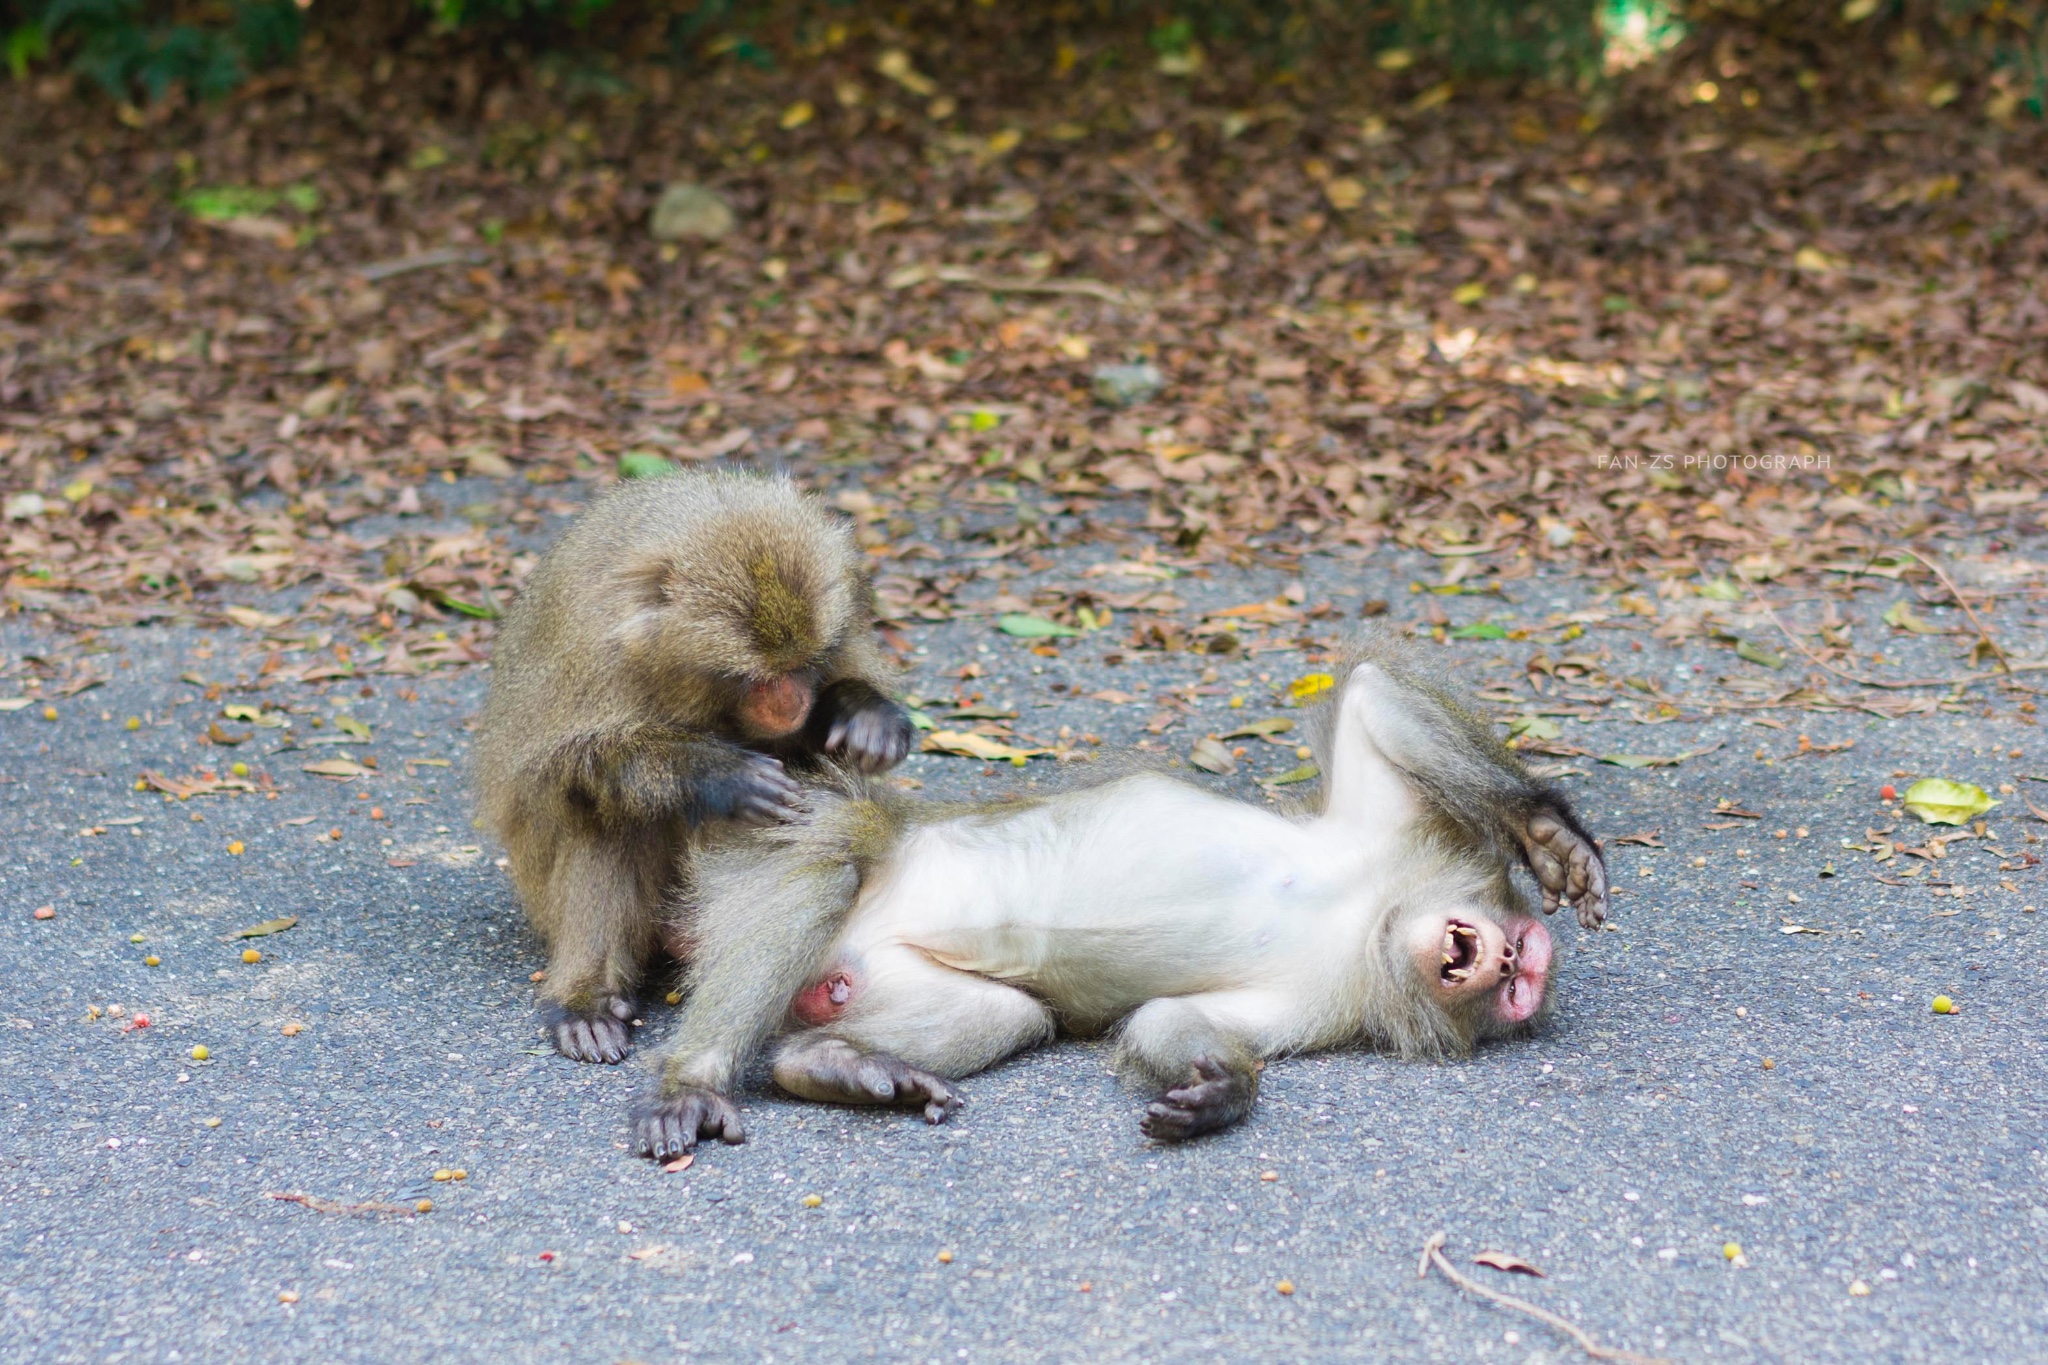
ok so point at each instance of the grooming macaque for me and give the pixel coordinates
(912, 946)
(686, 639)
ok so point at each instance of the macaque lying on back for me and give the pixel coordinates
(914, 945)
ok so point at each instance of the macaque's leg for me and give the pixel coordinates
(606, 895)
(901, 1003)
(887, 1016)
(1205, 1053)
(817, 1066)
(747, 968)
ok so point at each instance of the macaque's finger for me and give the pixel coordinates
(1593, 908)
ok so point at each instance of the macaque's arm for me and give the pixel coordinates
(650, 774)
(1204, 1053)
(1459, 769)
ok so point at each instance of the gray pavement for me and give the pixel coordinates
(1709, 1077)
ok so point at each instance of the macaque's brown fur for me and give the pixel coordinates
(916, 943)
(680, 643)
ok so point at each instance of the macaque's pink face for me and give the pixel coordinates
(775, 708)
(1466, 957)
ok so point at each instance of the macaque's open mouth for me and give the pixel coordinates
(1460, 952)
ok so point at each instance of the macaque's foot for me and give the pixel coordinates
(665, 1127)
(872, 736)
(602, 1033)
(1215, 1097)
(834, 1071)
(1568, 868)
(757, 791)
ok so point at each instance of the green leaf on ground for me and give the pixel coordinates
(644, 464)
(1757, 654)
(1026, 627)
(1939, 801)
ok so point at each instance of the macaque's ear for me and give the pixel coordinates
(646, 577)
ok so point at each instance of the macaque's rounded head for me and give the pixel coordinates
(1494, 971)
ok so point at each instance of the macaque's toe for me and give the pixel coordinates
(601, 1035)
(666, 1127)
(1216, 1097)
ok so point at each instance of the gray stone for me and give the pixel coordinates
(1122, 385)
(687, 210)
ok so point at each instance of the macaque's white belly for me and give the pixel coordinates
(1142, 889)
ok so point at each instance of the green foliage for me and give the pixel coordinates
(126, 48)
(453, 14)
(221, 203)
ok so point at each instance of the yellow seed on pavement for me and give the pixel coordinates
(293, 1029)
(1944, 1005)
(1269, 1175)
(251, 955)
(135, 722)
(1730, 1250)
(152, 961)
(1285, 1286)
(200, 1054)
(235, 848)
(49, 713)
(287, 1296)
(945, 1258)
(675, 997)
(1858, 1288)
(812, 1201)
(213, 1123)
(444, 1174)
(239, 769)
(458, 1174)
(424, 1206)
(135, 938)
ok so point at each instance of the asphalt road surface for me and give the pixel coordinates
(1712, 1076)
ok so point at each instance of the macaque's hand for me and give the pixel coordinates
(1214, 1097)
(755, 791)
(666, 1127)
(872, 736)
(602, 1033)
(1568, 868)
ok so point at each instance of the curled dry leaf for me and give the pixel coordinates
(965, 744)
(1508, 1261)
(265, 929)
